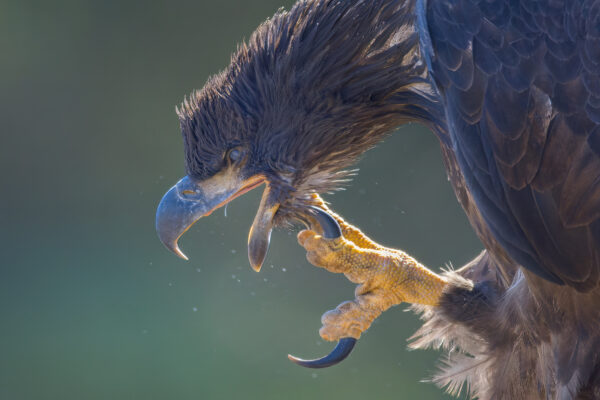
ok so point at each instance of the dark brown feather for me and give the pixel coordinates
(512, 89)
(513, 334)
(535, 121)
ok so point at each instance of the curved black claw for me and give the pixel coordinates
(331, 228)
(341, 351)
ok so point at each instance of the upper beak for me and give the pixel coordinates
(189, 200)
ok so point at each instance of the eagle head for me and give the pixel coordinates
(311, 90)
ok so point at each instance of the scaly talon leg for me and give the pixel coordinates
(386, 277)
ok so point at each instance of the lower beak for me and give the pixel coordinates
(190, 200)
(259, 236)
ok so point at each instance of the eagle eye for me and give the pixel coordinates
(234, 155)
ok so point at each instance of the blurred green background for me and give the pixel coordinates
(92, 305)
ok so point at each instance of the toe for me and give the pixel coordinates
(315, 259)
(304, 235)
(345, 321)
(310, 240)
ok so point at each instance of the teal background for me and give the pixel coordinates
(92, 305)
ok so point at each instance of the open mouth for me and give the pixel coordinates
(253, 183)
(190, 199)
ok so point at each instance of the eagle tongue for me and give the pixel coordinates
(260, 232)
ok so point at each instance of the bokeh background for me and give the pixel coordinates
(93, 307)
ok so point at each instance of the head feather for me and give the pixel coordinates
(313, 89)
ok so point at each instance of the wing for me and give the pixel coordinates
(521, 86)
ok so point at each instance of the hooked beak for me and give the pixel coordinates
(190, 200)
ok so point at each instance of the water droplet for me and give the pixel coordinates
(314, 375)
(225, 210)
(252, 293)
(233, 251)
(194, 309)
(283, 269)
(198, 270)
(232, 276)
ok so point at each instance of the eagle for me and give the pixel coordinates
(511, 89)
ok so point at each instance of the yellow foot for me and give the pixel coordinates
(386, 277)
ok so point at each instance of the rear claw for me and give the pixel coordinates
(339, 353)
